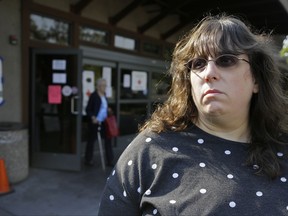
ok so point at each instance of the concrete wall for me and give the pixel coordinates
(10, 12)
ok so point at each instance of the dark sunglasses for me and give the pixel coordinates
(222, 61)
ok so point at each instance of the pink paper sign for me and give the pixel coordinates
(54, 94)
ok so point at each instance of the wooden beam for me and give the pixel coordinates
(260, 18)
(176, 6)
(78, 7)
(169, 9)
(173, 30)
(152, 22)
(124, 12)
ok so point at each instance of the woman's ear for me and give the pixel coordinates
(256, 87)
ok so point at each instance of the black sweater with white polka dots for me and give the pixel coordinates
(191, 173)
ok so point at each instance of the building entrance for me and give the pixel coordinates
(61, 82)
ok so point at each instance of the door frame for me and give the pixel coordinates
(61, 161)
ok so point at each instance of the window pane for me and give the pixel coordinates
(124, 42)
(93, 35)
(134, 84)
(49, 30)
(100, 72)
(151, 48)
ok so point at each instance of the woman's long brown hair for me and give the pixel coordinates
(215, 35)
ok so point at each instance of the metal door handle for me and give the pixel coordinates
(73, 107)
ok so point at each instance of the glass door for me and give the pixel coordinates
(56, 95)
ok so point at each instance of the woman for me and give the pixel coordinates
(97, 111)
(216, 146)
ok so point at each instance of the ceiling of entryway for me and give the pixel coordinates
(263, 14)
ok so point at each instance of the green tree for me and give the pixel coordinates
(284, 50)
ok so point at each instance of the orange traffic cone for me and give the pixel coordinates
(4, 183)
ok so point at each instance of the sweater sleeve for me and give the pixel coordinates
(124, 189)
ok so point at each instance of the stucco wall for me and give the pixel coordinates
(10, 11)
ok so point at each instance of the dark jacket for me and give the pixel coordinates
(94, 104)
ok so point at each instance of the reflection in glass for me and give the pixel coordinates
(49, 30)
(98, 73)
(93, 35)
(133, 84)
(124, 42)
(151, 48)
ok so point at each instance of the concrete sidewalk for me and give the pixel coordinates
(60, 193)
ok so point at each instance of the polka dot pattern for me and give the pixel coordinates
(148, 192)
(230, 176)
(175, 175)
(227, 177)
(232, 204)
(200, 141)
(227, 152)
(202, 164)
(175, 149)
(255, 167)
(203, 191)
(148, 139)
(172, 201)
(280, 154)
(139, 190)
(259, 193)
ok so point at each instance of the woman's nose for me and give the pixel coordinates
(211, 72)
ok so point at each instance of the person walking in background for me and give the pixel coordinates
(97, 112)
(218, 145)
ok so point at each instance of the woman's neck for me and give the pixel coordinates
(100, 93)
(233, 130)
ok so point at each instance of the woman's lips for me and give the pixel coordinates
(212, 91)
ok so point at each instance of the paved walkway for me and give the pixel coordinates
(59, 193)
